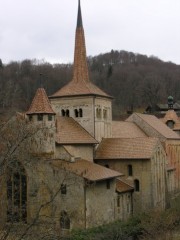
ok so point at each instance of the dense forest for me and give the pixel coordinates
(134, 80)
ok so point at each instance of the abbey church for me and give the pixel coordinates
(77, 168)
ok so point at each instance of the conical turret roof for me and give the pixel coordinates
(80, 83)
(40, 103)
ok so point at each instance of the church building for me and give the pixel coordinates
(76, 168)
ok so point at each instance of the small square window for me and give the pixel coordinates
(49, 117)
(40, 117)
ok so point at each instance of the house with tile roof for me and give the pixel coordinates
(154, 127)
(142, 161)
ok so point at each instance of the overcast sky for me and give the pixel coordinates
(45, 29)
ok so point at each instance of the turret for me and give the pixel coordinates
(42, 116)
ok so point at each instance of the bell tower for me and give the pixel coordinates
(80, 98)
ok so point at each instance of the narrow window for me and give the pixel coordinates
(16, 194)
(67, 113)
(63, 189)
(118, 201)
(63, 113)
(108, 185)
(30, 117)
(80, 112)
(130, 170)
(76, 113)
(104, 113)
(40, 117)
(136, 185)
(97, 113)
(64, 220)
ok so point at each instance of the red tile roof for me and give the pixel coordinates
(122, 186)
(86, 169)
(122, 129)
(154, 123)
(71, 132)
(172, 116)
(126, 148)
(40, 103)
(79, 88)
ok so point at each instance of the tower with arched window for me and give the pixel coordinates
(84, 101)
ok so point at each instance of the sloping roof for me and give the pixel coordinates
(154, 123)
(78, 89)
(80, 84)
(86, 169)
(170, 115)
(40, 103)
(122, 129)
(122, 186)
(126, 148)
(71, 132)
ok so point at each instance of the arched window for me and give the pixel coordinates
(67, 113)
(136, 185)
(80, 112)
(63, 113)
(76, 113)
(130, 170)
(98, 112)
(104, 113)
(64, 220)
(16, 194)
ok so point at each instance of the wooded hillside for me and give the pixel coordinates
(134, 80)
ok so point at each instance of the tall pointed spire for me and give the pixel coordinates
(79, 18)
(80, 72)
(80, 83)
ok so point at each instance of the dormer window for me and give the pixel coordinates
(40, 117)
(170, 124)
